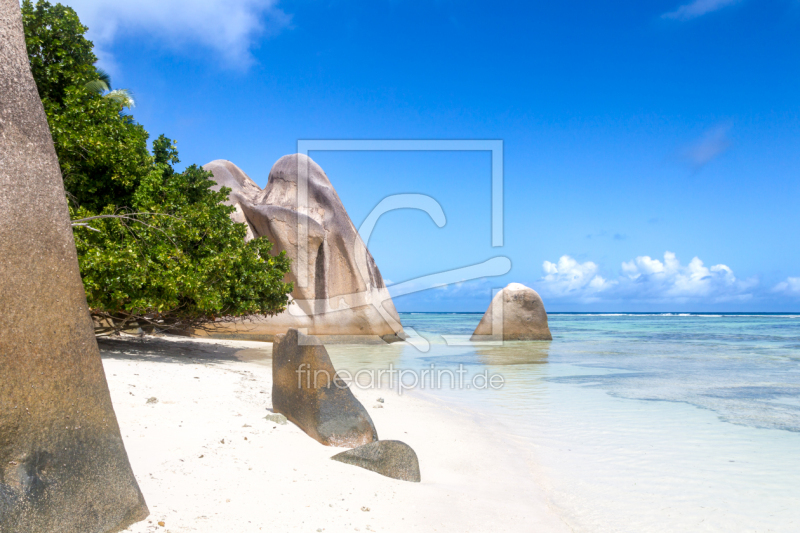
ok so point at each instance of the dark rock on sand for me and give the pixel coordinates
(390, 458)
(63, 466)
(306, 390)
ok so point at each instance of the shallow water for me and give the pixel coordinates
(637, 422)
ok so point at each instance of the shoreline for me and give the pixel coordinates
(207, 460)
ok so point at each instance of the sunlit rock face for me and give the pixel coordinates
(339, 294)
(63, 466)
(516, 313)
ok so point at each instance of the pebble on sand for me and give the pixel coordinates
(277, 418)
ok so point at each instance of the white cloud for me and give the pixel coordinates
(570, 278)
(697, 8)
(670, 279)
(644, 279)
(228, 27)
(642, 265)
(791, 287)
(711, 145)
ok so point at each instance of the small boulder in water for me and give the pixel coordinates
(518, 312)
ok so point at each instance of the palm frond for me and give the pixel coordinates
(96, 86)
(123, 97)
(103, 76)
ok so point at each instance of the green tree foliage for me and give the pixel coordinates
(61, 57)
(155, 246)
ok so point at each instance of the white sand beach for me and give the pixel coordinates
(207, 459)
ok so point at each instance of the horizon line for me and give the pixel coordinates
(626, 312)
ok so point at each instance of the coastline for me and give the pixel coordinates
(207, 459)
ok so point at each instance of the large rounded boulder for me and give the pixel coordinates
(339, 293)
(516, 313)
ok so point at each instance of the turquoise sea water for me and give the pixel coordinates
(744, 368)
(663, 422)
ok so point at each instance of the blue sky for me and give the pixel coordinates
(651, 149)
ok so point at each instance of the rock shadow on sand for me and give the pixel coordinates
(178, 351)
